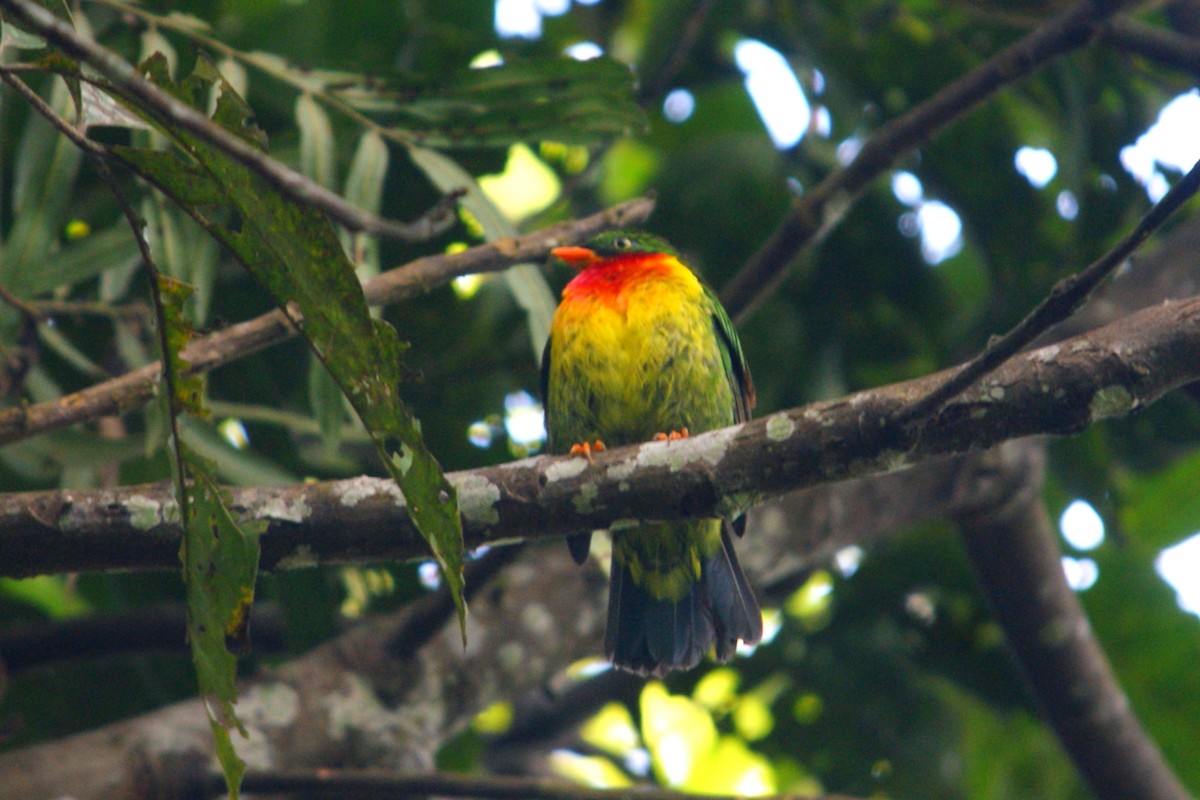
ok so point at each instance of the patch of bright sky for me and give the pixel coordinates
(1038, 165)
(1081, 573)
(1081, 526)
(1067, 204)
(1171, 142)
(847, 149)
(848, 559)
(1179, 565)
(429, 575)
(678, 105)
(523, 419)
(523, 18)
(775, 90)
(584, 51)
(938, 225)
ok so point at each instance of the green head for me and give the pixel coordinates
(620, 242)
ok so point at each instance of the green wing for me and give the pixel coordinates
(731, 356)
(544, 382)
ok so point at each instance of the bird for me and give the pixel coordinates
(640, 348)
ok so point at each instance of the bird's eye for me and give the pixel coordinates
(622, 243)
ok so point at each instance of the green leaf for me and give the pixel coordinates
(580, 102)
(188, 389)
(22, 40)
(364, 189)
(325, 400)
(219, 555)
(525, 281)
(233, 466)
(220, 561)
(80, 260)
(317, 159)
(46, 166)
(1162, 508)
(294, 252)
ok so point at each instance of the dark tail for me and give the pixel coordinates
(653, 637)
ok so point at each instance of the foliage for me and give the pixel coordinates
(888, 677)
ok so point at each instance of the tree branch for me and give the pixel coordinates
(815, 213)
(292, 184)
(1155, 43)
(387, 784)
(134, 389)
(1059, 389)
(1066, 296)
(1012, 549)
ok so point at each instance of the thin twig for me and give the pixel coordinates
(85, 308)
(289, 182)
(815, 213)
(685, 42)
(24, 307)
(1066, 296)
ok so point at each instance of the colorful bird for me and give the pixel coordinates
(641, 349)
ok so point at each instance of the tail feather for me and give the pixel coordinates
(733, 603)
(652, 637)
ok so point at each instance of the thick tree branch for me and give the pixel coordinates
(1012, 549)
(132, 390)
(386, 784)
(1059, 389)
(352, 702)
(815, 213)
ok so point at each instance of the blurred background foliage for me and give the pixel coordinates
(885, 675)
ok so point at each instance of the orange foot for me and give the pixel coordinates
(586, 449)
(673, 436)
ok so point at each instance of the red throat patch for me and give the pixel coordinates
(607, 279)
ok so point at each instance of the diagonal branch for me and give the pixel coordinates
(1066, 296)
(1060, 389)
(1155, 43)
(1012, 549)
(815, 213)
(132, 390)
(289, 182)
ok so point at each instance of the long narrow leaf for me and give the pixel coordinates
(294, 252)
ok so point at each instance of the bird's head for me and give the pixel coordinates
(612, 245)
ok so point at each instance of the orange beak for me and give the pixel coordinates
(578, 257)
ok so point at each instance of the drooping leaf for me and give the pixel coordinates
(220, 561)
(219, 555)
(566, 100)
(294, 252)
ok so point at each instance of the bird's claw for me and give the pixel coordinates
(586, 449)
(672, 436)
